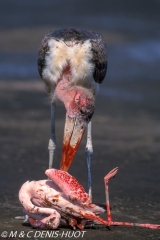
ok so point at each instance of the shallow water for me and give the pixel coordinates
(133, 41)
(128, 62)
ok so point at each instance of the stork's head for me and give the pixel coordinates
(81, 104)
(80, 108)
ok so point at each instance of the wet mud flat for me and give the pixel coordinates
(125, 134)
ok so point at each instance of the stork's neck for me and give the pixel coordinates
(75, 98)
(63, 88)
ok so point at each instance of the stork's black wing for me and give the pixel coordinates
(42, 52)
(78, 36)
(99, 57)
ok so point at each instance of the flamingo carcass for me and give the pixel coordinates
(48, 203)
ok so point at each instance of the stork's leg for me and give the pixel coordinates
(89, 152)
(52, 140)
(51, 147)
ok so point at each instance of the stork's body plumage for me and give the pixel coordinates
(86, 45)
(72, 63)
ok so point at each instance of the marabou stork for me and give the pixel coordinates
(72, 63)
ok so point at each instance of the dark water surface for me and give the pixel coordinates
(131, 32)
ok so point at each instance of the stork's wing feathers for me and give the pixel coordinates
(78, 36)
(42, 52)
(99, 57)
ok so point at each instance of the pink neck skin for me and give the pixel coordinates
(64, 93)
(73, 97)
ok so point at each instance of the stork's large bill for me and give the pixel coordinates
(73, 133)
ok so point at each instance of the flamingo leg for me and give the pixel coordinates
(52, 140)
(110, 175)
(89, 152)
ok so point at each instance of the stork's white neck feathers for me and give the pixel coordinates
(78, 56)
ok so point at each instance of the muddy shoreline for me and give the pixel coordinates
(131, 143)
